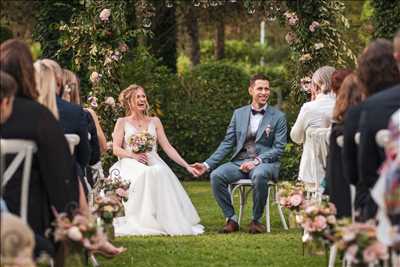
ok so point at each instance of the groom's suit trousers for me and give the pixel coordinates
(228, 173)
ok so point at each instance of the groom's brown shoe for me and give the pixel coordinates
(230, 227)
(256, 228)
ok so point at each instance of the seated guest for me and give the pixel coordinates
(314, 114)
(72, 95)
(17, 242)
(337, 79)
(52, 182)
(378, 72)
(338, 187)
(46, 84)
(73, 120)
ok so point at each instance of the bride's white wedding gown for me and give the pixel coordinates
(157, 203)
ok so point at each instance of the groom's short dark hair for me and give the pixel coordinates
(256, 77)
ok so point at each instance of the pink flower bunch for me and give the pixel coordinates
(318, 220)
(82, 230)
(95, 77)
(107, 206)
(313, 26)
(112, 184)
(110, 101)
(291, 18)
(93, 101)
(141, 142)
(105, 15)
(123, 47)
(291, 196)
(359, 243)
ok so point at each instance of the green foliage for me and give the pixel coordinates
(290, 162)
(386, 18)
(246, 52)
(197, 115)
(51, 14)
(5, 33)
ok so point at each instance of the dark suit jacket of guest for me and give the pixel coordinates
(338, 187)
(53, 180)
(375, 116)
(350, 160)
(74, 121)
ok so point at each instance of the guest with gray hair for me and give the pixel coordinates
(316, 113)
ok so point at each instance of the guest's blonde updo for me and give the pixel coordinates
(127, 96)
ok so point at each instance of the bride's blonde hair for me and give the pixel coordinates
(127, 95)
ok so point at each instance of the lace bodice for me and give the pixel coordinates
(130, 129)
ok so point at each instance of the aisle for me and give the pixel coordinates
(279, 248)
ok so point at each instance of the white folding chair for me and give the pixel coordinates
(73, 140)
(24, 150)
(244, 184)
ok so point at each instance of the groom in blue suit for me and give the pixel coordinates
(257, 137)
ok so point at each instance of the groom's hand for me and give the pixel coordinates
(247, 166)
(200, 168)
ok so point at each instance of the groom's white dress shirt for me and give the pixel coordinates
(313, 114)
(255, 120)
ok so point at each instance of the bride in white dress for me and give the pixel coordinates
(157, 203)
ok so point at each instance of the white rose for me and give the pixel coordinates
(74, 233)
(105, 14)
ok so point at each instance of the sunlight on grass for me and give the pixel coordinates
(278, 248)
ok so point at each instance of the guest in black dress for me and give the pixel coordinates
(349, 94)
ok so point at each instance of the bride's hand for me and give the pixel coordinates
(141, 157)
(192, 171)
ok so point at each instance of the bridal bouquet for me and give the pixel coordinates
(318, 219)
(141, 142)
(359, 243)
(291, 196)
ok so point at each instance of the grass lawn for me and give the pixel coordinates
(278, 248)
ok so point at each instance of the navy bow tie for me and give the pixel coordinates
(254, 112)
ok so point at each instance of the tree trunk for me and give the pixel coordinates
(163, 44)
(192, 25)
(219, 38)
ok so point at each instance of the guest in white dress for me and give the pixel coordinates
(157, 204)
(315, 114)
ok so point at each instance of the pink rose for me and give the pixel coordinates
(308, 226)
(320, 222)
(313, 26)
(110, 101)
(121, 192)
(74, 233)
(105, 14)
(296, 200)
(95, 77)
(123, 47)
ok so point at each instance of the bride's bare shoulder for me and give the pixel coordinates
(155, 119)
(121, 120)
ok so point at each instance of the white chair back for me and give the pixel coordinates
(73, 140)
(357, 138)
(340, 141)
(382, 137)
(24, 150)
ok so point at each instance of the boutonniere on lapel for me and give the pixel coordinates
(268, 130)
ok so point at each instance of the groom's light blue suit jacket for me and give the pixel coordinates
(270, 140)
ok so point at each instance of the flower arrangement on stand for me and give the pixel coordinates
(114, 184)
(106, 208)
(291, 196)
(318, 219)
(77, 234)
(360, 245)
